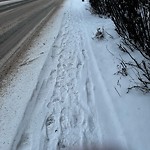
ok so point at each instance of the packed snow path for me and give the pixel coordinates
(70, 106)
(65, 94)
(68, 119)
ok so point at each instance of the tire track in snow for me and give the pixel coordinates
(111, 129)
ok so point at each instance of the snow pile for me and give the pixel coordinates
(64, 94)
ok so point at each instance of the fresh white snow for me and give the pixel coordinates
(64, 94)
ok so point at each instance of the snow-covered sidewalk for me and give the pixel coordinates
(63, 93)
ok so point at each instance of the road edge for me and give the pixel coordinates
(10, 58)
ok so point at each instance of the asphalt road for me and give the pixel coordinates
(16, 22)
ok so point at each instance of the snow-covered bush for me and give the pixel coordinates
(99, 6)
(132, 20)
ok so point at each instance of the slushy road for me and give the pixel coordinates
(18, 20)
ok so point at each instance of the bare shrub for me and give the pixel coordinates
(99, 34)
(132, 20)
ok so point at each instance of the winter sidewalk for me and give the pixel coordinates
(63, 94)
